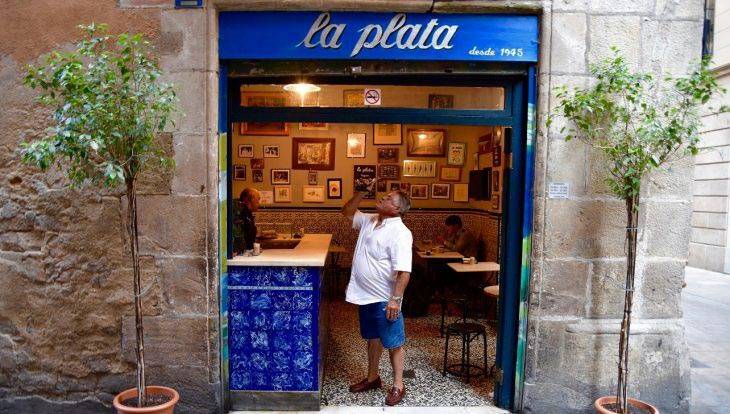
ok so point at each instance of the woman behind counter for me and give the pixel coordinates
(244, 220)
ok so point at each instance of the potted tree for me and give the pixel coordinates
(638, 124)
(109, 108)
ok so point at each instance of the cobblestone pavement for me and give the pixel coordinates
(706, 302)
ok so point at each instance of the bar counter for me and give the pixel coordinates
(277, 327)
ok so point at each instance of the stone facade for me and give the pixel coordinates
(65, 302)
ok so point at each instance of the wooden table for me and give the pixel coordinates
(471, 268)
(445, 254)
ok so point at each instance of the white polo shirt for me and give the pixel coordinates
(380, 253)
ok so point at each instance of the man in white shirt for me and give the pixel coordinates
(381, 267)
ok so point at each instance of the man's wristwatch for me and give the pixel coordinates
(398, 299)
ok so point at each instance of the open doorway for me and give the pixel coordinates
(429, 139)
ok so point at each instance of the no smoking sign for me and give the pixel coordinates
(372, 97)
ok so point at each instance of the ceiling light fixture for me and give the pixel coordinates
(302, 89)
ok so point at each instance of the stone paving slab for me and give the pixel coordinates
(706, 304)
(390, 410)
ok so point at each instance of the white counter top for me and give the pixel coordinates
(311, 251)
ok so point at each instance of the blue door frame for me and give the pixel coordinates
(516, 205)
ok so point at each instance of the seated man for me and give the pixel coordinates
(458, 238)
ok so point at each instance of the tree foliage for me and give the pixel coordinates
(638, 122)
(109, 106)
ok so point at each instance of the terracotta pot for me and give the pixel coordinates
(166, 408)
(632, 401)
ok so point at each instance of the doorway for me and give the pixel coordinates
(508, 113)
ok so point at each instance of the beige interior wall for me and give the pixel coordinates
(405, 97)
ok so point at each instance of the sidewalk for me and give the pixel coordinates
(391, 410)
(706, 303)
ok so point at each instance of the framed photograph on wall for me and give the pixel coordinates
(313, 153)
(439, 190)
(387, 134)
(334, 188)
(239, 172)
(363, 176)
(271, 151)
(440, 101)
(389, 171)
(257, 176)
(394, 186)
(265, 128)
(386, 155)
(497, 156)
(280, 176)
(495, 180)
(461, 193)
(245, 151)
(381, 186)
(485, 143)
(355, 145)
(426, 142)
(265, 98)
(312, 178)
(419, 191)
(495, 202)
(314, 126)
(282, 194)
(405, 187)
(450, 173)
(353, 97)
(415, 168)
(267, 197)
(456, 154)
(257, 163)
(313, 194)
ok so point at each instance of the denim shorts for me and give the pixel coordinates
(374, 324)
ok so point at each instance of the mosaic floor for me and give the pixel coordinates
(347, 364)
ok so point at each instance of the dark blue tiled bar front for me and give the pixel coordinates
(273, 328)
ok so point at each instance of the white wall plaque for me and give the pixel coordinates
(558, 190)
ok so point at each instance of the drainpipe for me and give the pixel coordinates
(708, 28)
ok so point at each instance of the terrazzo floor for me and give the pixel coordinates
(425, 387)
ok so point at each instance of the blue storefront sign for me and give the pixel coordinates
(378, 36)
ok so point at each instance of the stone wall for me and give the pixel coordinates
(65, 327)
(578, 246)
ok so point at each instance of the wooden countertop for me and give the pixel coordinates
(478, 267)
(311, 251)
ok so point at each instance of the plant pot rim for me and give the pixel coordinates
(132, 392)
(598, 404)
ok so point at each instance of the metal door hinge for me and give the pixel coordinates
(509, 160)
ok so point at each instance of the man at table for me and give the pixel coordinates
(381, 268)
(458, 238)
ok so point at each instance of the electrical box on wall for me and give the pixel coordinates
(188, 4)
(480, 184)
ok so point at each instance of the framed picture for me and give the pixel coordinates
(439, 190)
(245, 151)
(271, 151)
(314, 126)
(387, 134)
(313, 153)
(386, 155)
(419, 191)
(497, 156)
(381, 186)
(389, 172)
(257, 163)
(312, 178)
(312, 194)
(450, 173)
(353, 97)
(414, 168)
(267, 98)
(334, 188)
(495, 180)
(257, 176)
(405, 187)
(265, 128)
(495, 202)
(279, 177)
(355, 145)
(239, 172)
(456, 155)
(282, 194)
(461, 193)
(426, 142)
(440, 101)
(485, 143)
(363, 176)
(394, 186)
(267, 197)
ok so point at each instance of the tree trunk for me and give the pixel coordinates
(134, 247)
(632, 221)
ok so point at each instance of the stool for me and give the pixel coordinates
(457, 300)
(492, 292)
(468, 332)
